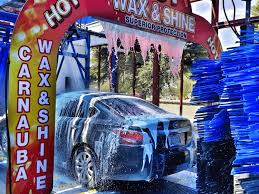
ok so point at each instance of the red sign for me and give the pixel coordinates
(172, 18)
(35, 42)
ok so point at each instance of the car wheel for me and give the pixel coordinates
(85, 170)
(4, 141)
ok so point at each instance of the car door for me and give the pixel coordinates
(101, 136)
(69, 124)
(103, 121)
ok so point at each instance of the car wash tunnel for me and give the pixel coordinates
(129, 96)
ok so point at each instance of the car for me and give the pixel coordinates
(108, 136)
(3, 135)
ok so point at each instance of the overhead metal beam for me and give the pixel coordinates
(239, 22)
(100, 35)
(74, 54)
(193, 1)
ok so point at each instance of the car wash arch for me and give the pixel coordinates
(38, 32)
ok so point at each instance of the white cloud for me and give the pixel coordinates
(202, 8)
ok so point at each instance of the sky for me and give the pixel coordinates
(227, 36)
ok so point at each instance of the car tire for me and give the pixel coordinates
(4, 141)
(85, 167)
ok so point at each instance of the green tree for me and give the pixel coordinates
(125, 73)
(255, 12)
(169, 85)
(104, 68)
(192, 52)
(144, 79)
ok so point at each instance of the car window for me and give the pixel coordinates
(82, 109)
(70, 108)
(133, 107)
(75, 107)
(105, 112)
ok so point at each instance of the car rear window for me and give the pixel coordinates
(133, 107)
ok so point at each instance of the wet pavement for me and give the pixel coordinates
(181, 183)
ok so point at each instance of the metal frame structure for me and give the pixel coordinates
(72, 36)
(6, 25)
(239, 22)
(246, 23)
(84, 69)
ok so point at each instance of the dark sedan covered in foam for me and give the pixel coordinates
(3, 135)
(106, 136)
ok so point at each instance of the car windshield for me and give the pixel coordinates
(133, 107)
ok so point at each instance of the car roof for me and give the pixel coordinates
(86, 95)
